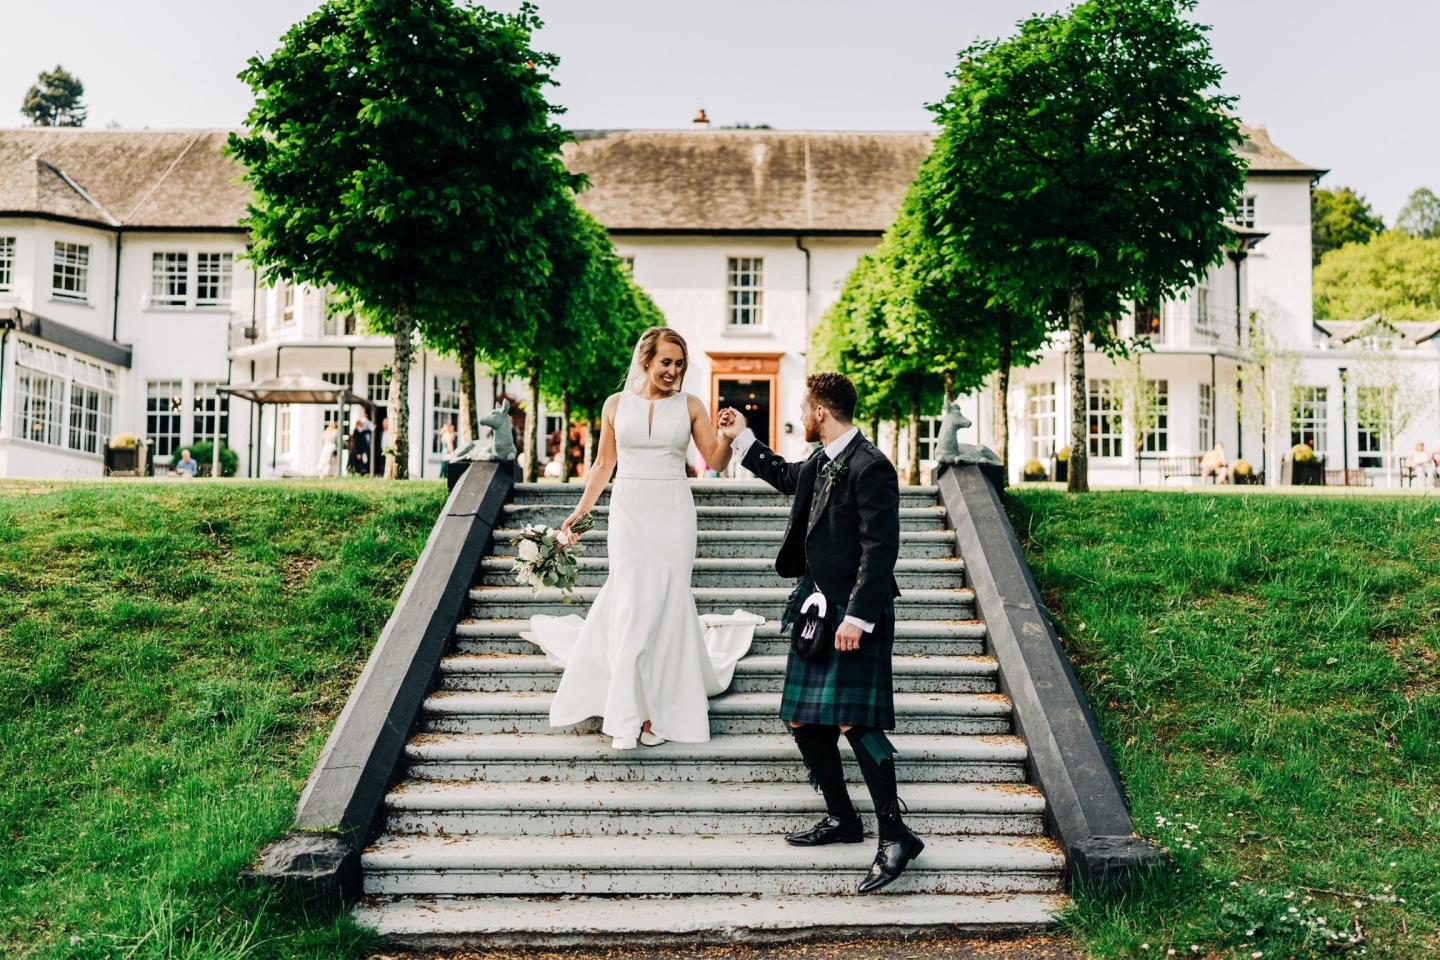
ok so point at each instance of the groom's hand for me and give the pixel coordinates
(847, 637)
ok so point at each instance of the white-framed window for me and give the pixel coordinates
(341, 378)
(214, 278)
(745, 291)
(1246, 215)
(209, 409)
(1204, 319)
(40, 378)
(929, 437)
(1040, 420)
(444, 408)
(92, 405)
(1104, 421)
(70, 279)
(169, 278)
(1157, 438)
(164, 404)
(287, 303)
(1371, 422)
(7, 262)
(1149, 320)
(1309, 419)
(1205, 429)
(377, 388)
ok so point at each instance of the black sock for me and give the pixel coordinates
(820, 747)
(875, 755)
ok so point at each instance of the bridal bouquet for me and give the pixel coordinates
(549, 556)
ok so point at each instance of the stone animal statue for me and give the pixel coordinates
(496, 440)
(950, 449)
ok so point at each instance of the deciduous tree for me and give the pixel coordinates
(1338, 217)
(1395, 274)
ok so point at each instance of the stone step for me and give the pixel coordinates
(453, 711)
(497, 673)
(708, 517)
(708, 493)
(912, 638)
(498, 571)
(595, 808)
(759, 544)
(498, 923)
(531, 866)
(753, 758)
(518, 603)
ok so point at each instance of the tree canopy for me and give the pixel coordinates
(400, 152)
(1338, 217)
(1085, 162)
(55, 100)
(1420, 217)
(1395, 275)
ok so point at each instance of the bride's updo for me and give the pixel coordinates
(650, 342)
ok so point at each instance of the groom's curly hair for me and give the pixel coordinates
(835, 393)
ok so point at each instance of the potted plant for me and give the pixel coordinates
(1302, 468)
(1033, 471)
(1243, 473)
(1062, 464)
(125, 456)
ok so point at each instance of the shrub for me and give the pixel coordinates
(229, 459)
(1034, 470)
(1302, 453)
(1063, 454)
(1242, 468)
(125, 441)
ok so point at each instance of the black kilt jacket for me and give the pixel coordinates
(845, 536)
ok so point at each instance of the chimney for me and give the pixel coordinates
(701, 121)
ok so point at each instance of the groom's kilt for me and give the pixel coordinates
(852, 689)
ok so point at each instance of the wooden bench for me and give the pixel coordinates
(1348, 478)
(1179, 467)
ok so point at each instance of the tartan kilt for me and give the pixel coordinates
(852, 689)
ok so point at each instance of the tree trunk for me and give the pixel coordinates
(1078, 479)
(912, 476)
(400, 391)
(534, 427)
(895, 439)
(875, 428)
(469, 416)
(1002, 398)
(565, 437)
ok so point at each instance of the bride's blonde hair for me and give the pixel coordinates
(646, 348)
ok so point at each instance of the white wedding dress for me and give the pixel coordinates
(643, 653)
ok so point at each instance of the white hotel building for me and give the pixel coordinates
(125, 301)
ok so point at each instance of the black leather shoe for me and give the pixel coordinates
(891, 859)
(829, 830)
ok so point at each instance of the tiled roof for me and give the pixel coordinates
(695, 181)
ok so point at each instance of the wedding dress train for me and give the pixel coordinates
(643, 653)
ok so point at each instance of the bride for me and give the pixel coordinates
(642, 659)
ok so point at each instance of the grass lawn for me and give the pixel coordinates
(171, 658)
(1266, 668)
(1267, 671)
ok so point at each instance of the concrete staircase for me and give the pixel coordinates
(504, 831)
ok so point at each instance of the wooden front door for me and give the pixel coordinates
(749, 382)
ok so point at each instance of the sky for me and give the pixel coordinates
(1341, 85)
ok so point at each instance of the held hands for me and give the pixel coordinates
(732, 422)
(847, 637)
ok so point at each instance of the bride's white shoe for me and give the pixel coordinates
(623, 743)
(650, 739)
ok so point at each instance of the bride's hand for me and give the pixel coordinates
(571, 521)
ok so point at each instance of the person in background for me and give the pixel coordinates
(387, 442)
(187, 466)
(329, 445)
(448, 440)
(360, 446)
(1421, 464)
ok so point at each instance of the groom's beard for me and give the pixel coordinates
(812, 432)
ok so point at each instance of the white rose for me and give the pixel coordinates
(529, 552)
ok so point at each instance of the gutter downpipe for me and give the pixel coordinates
(115, 297)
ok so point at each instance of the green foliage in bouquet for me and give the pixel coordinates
(548, 558)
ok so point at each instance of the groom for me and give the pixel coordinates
(843, 539)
